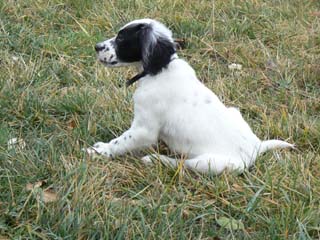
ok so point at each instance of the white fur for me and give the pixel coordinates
(176, 107)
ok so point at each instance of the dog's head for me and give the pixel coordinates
(145, 41)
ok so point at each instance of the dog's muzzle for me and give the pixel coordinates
(106, 53)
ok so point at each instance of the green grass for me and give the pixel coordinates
(56, 97)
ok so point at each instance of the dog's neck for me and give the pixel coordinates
(144, 73)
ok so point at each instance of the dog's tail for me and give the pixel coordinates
(272, 144)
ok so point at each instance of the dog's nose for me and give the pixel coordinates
(99, 47)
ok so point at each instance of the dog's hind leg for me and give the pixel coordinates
(206, 163)
(168, 161)
(215, 164)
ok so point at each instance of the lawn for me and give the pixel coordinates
(56, 99)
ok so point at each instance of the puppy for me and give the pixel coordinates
(171, 104)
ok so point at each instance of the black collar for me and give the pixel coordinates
(143, 73)
(135, 78)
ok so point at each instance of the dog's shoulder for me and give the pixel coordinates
(178, 78)
(180, 66)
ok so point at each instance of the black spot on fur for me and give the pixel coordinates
(207, 101)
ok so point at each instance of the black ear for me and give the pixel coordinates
(156, 50)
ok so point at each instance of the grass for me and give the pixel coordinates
(57, 99)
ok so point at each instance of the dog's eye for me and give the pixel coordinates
(120, 38)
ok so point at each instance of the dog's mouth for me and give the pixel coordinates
(109, 64)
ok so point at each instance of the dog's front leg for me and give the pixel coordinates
(135, 138)
(143, 132)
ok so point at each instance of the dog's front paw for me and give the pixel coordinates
(100, 148)
(103, 149)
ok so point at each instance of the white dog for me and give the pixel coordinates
(171, 104)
